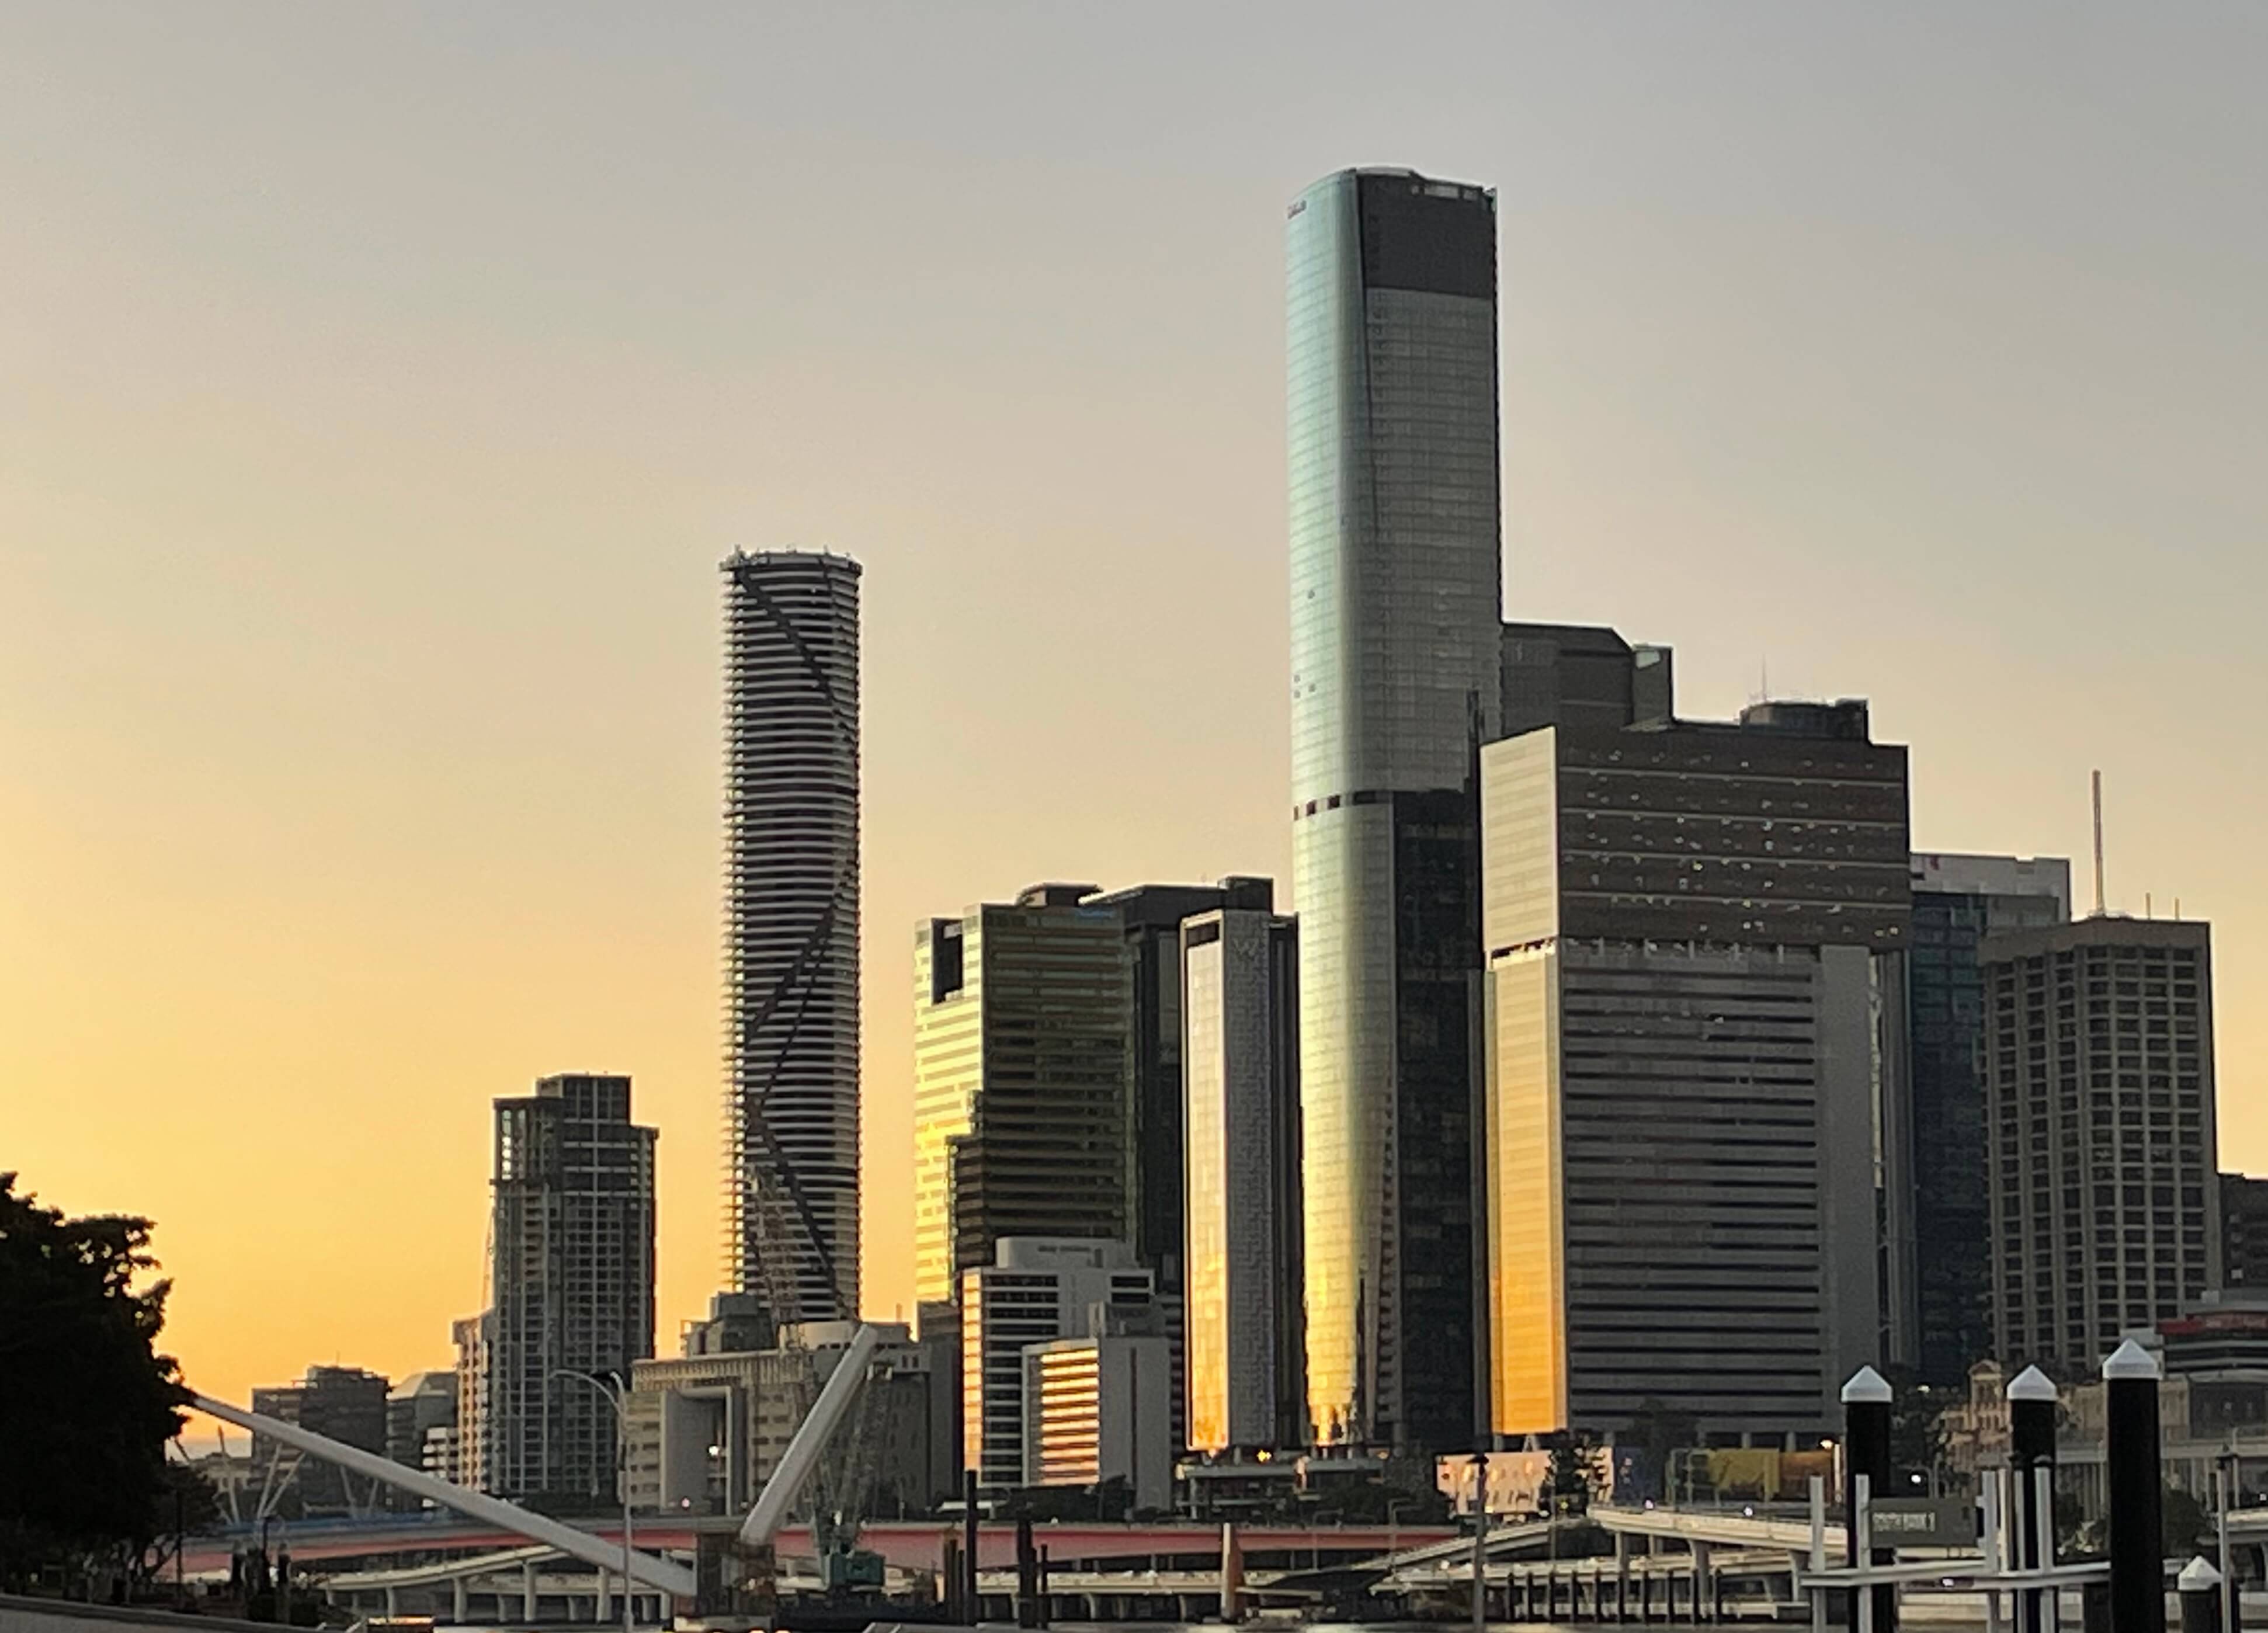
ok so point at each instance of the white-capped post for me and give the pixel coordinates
(2138, 1583)
(1867, 1456)
(2031, 1445)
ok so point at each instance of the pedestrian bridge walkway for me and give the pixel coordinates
(1709, 1527)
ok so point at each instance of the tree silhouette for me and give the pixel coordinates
(86, 1402)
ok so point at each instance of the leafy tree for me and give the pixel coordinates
(1573, 1476)
(2183, 1523)
(1379, 1502)
(1917, 1420)
(187, 1506)
(86, 1402)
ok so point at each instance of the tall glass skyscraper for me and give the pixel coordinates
(1396, 575)
(791, 930)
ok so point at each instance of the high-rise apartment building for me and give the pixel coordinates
(1037, 1290)
(1395, 571)
(1939, 1244)
(1243, 1324)
(474, 1338)
(570, 1278)
(1022, 1080)
(791, 930)
(1688, 927)
(2099, 1105)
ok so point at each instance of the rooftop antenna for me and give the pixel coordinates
(2098, 844)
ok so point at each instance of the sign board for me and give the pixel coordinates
(1923, 1522)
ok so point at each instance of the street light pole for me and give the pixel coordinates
(618, 1399)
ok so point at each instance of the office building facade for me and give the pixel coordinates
(421, 1427)
(1152, 916)
(1395, 573)
(1243, 1318)
(1096, 1411)
(2244, 1232)
(570, 1276)
(2099, 1105)
(792, 729)
(1943, 1252)
(1022, 1080)
(1690, 930)
(1035, 1290)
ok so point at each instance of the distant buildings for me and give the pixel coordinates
(2244, 1232)
(1023, 1080)
(1941, 1230)
(791, 931)
(344, 1402)
(1036, 1291)
(2106, 1202)
(474, 1338)
(1392, 435)
(571, 1276)
(421, 1426)
(1243, 1324)
(709, 1429)
(1686, 925)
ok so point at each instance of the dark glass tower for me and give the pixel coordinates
(791, 930)
(1395, 571)
(1957, 901)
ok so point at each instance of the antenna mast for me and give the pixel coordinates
(2098, 844)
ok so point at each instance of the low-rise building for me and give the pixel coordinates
(347, 1404)
(2213, 1402)
(1038, 1288)
(708, 1429)
(1100, 1409)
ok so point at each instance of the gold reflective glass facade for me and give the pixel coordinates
(1023, 1079)
(1243, 1332)
(1528, 1286)
(948, 1071)
(1063, 1405)
(1204, 1264)
(1393, 480)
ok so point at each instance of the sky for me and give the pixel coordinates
(380, 386)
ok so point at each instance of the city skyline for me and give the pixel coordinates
(319, 757)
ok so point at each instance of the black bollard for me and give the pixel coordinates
(2199, 1585)
(972, 1602)
(2138, 1570)
(1028, 1576)
(2031, 1444)
(1866, 1450)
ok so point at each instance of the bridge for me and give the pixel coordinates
(669, 1578)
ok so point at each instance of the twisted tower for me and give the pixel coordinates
(791, 930)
